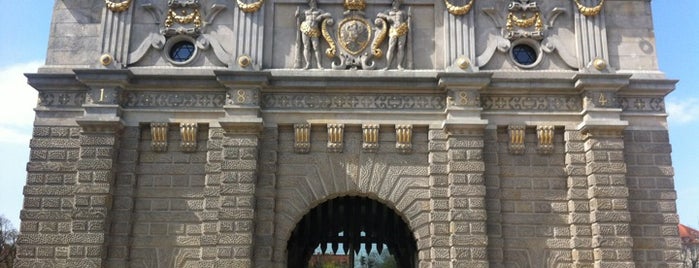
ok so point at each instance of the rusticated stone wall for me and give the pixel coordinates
(651, 197)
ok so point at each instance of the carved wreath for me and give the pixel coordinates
(589, 11)
(118, 7)
(250, 8)
(459, 10)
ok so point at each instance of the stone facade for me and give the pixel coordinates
(142, 158)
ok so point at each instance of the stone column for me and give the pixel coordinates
(605, 169)
(242, 126)
(99, 144)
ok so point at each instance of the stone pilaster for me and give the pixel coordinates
(605, 169)
(124, 199)
(578, 200)
(240, 143)
(591, 35)
(464, 212)
(99, 144)
(468, 237)
(435, 251)
(265, 199)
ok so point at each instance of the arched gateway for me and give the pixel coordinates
(349, 225)
(504, 133)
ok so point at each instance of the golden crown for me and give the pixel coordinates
(355, 4)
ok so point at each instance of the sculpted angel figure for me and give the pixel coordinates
(399, 23)
(309, 27)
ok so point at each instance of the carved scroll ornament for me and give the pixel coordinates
(118, 7)
(589, 11)
(459, 10)
(250, 8)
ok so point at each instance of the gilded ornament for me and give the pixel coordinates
(463, 63)
(118, 7)
(589, 11)
(517, 133)
(353, 34)
(404, 138)
(599, 64)
(309, 30)
(244, 61)
(380, 37)
(158, 133)
(370, 137)
(355, 4)
(459, 10)
(302, 138)
(513, 20)
(331, 51)
(106, 59)
(194, 18)
(188, 131)
(250, 8)
(335, 137)
(399, 30)
(545, 135)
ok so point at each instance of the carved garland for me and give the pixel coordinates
(459, 10)
(194, 18)
(118, 7)
(589, 11)
(512, 19)
(250, 8)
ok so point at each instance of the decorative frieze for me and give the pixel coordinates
(323, 101)
(302, 138)
(563, 103)
(516, 133)
(174, 99)
(642, 104)
(61, 99)
(370, 137)
(335, 137)
(188, 132)
(545, 135)
(158, 133)
(404, 138)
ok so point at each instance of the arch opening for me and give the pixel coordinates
(348, 230)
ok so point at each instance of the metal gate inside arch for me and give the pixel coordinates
(345, 226)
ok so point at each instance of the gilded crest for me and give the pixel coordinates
(354, 34)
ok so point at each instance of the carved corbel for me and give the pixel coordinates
(158, 132)
(302, 138)
(404, 138)
(188, 132)
(516, 133)
(335, 137)
(370, 138)
(545, 135)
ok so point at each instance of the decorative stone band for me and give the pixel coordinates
(370, 137)
(158, 133)
(404, 138)
(421, 102)
(189, 137)
(322, 101)
(516, 133)
(302, 138)
(335, 137)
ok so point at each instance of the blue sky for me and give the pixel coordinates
(24, 26)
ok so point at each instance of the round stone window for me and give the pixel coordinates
(526, 53)
(180, 50)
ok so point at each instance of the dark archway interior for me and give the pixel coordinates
(350, 222)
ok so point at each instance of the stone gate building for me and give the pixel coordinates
(454, 133)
